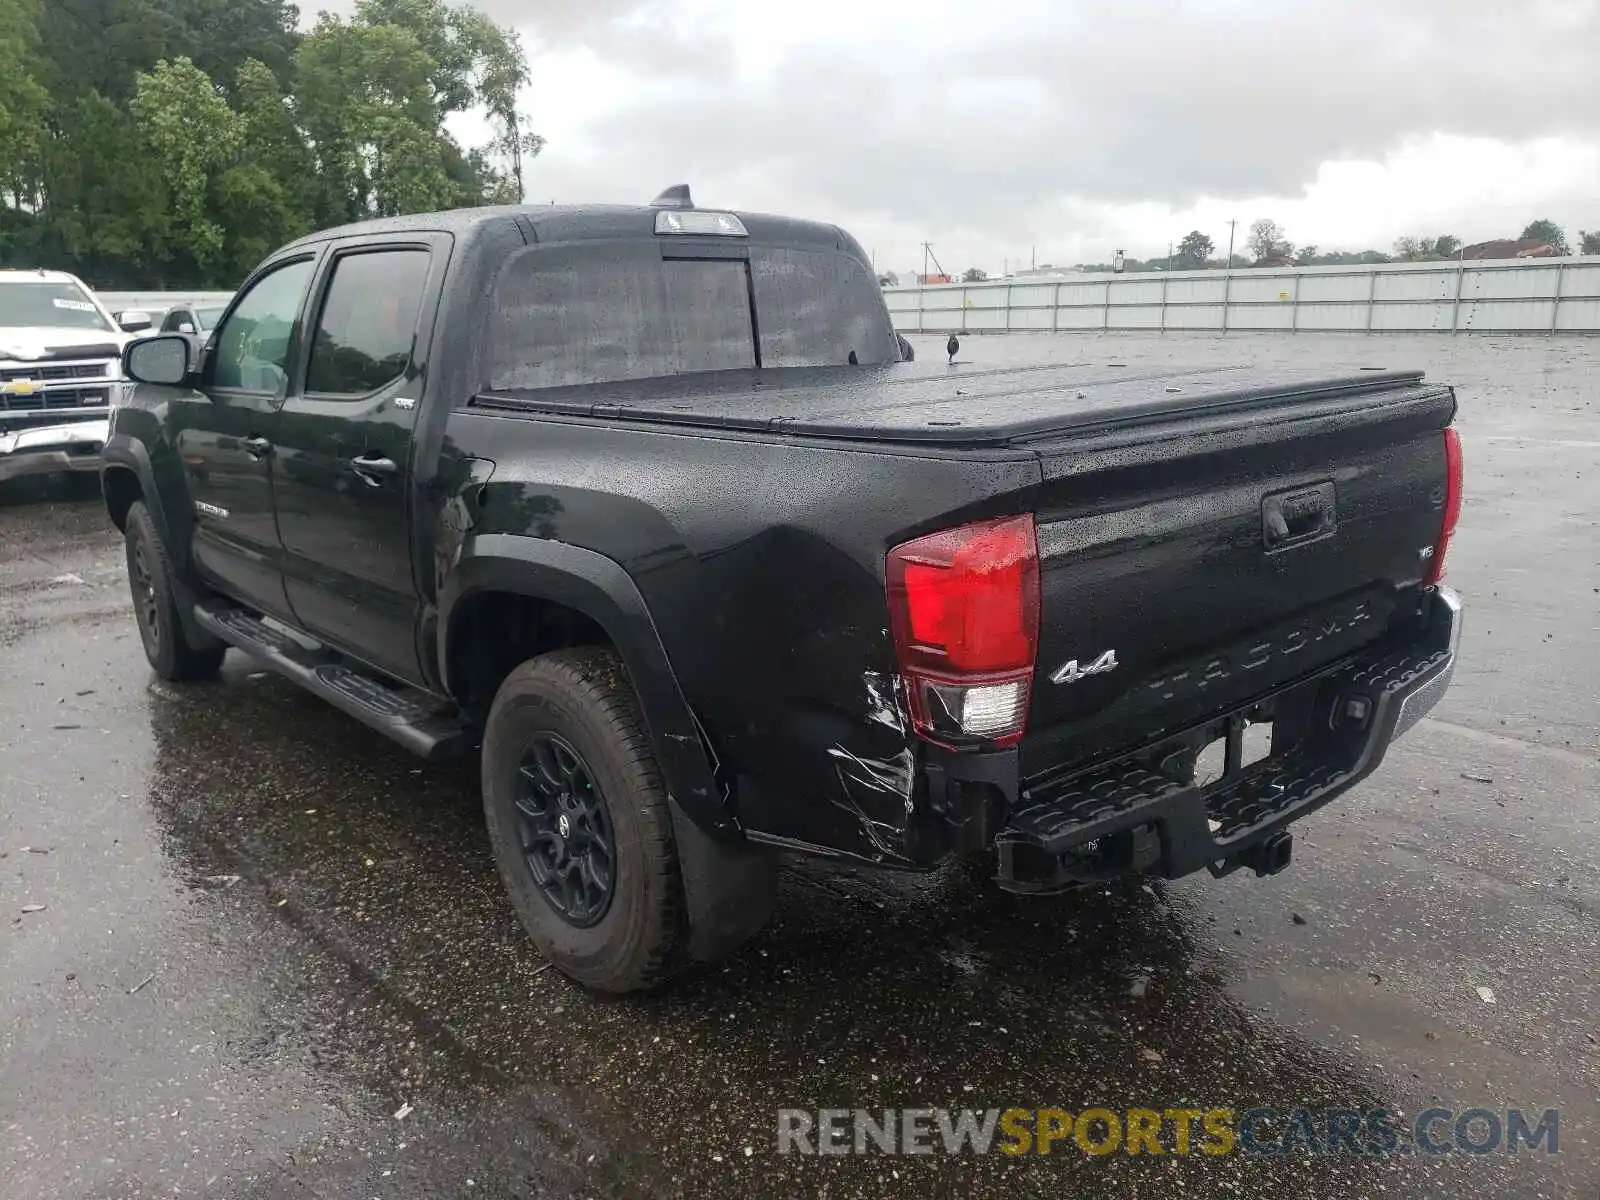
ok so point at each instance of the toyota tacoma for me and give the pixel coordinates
(647, 507)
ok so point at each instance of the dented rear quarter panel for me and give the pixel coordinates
(762, 565)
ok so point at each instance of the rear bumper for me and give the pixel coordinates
(73, 446)
(1139, 813)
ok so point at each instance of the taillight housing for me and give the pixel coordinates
(964, 613)
(1454, 479)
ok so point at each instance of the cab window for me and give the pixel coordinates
(368, 321)
(253, 343)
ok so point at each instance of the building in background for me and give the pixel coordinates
(1510, 248)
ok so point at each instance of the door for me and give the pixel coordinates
(223, 434)
(342, 454)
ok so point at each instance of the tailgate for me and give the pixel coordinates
(1190, 563)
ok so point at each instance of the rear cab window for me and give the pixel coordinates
(604, 312)
(367, 323)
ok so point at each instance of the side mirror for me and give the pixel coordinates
(163, 359)
(133, 320)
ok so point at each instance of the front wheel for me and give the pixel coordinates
(580, 823)
(155, 605)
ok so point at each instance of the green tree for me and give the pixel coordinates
(449, 36)
(23, 104)
(271, 140)
(365, 98)
(1193, 251)
(1426, 249)
(1548, 232)
(478, 62)
(974, 275)
(173, 142)
(503, 71)
(1267, 240)
(222, 35)
(1588, 243)
(101, 46)
(254, 208)
(107, 214)
(193, 136)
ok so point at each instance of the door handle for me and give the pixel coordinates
(256, 447)
(373, 471)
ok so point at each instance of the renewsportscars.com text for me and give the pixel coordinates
(1181, 1131)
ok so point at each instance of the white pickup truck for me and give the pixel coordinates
(60, 371)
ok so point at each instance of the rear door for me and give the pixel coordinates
(223, 433)
(343, 449)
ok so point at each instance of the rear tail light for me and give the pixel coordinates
(964, 612)
(1454, 477)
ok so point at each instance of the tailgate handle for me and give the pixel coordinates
(1292, 518)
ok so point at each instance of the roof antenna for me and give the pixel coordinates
(676, 196)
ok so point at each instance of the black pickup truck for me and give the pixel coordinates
(649, 505)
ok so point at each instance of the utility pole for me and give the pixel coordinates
(1169, 258)
(1227, 280)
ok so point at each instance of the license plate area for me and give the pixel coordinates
(1227, 758)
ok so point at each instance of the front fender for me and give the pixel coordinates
(124, 453)
(602, 590)
(139, 442)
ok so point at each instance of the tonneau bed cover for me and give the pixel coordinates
(961, 405)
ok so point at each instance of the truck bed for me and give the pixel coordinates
(1205, 537)
(932, 403)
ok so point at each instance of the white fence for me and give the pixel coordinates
(1552, 295)
(158, 302)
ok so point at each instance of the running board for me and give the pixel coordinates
(417, 721)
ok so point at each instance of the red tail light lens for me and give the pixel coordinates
(964, 612)
(1454, 479)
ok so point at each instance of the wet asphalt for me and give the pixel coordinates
(273, 959)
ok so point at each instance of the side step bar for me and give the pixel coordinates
(417, 721)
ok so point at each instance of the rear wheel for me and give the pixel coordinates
(155, 606)
(580, 822)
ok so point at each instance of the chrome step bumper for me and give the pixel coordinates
(1132, 815)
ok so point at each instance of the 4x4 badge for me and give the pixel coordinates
(1071, 672)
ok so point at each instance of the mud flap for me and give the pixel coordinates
(728, 888)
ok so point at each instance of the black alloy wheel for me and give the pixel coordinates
(146, 605)
(565, 831)
(174, 654)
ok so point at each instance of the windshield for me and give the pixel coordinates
(53, 305)
(208, 317)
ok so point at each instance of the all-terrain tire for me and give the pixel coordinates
(153, 585)
(582, 697)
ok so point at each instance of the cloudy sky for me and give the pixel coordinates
(1070, 128)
